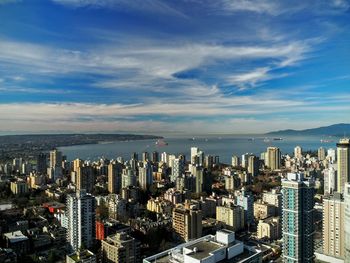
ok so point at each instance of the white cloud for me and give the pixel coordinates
(148, 6)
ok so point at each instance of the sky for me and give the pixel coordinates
(182, 67)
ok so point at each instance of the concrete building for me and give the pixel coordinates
(269, 228)
(321, 154)
(343, 156)
(117, 207)
(55, 167)
(178, 169)
(235, 161)
(81, 256)
(187, 221)
(331, 155)
(253, 165)
(231, 215)
(85, 178)
(159, 206)
(41, 163)
(263, 210)
(115, 177)
(330, 179)
(333, 225)
(298, 152)
(120, 248)
(129, 177)
(246, 200)
(273, 158)
(19, 187)
(18, 242)
(219, 248)
(347, 220)
(145, 175)
(274, 197)
(80, 213)
(298, 218)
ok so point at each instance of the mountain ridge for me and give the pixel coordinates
(340, 129)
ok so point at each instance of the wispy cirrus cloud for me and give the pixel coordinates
(144, 6)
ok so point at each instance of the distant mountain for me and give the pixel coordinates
(332, 130)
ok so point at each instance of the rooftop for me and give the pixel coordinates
(16, 236)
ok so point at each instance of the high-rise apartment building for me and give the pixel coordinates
(347, 221)
(273, 158)
(115, 177)
(146, 175)
(41, 164)
(187, 221)
(343, 156)
(55, 168)
(121, 248)
(298, 152)
(231, 215)
(246, 200)
(333, 225)
(253, 165)
(80, 213)
(235, 161)
(85, 178)
(178, 169)
(298, 218)
(321, 153)
(128, 177)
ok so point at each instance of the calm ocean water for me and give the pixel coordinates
(223, 146)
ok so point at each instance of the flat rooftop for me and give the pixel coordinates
(204, 248)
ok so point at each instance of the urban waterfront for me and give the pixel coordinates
(223, 146)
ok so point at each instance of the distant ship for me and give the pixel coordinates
(266, 140)
(277, 139)
(161, 142)
(326, 141)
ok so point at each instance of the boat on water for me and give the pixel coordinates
(266, 140)
(277, 139)
(161, 142)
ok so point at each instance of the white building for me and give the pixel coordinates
(80, 212)
(223, 247)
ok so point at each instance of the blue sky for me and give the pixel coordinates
(185, 66)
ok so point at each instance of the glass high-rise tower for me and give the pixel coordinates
(298, 218)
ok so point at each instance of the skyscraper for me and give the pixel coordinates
(41, 164)
(178, 169)
(187, 221)
(85, 178)
(145, 175)
(253, 165)
(343, 173)
(297, 218)
(298, 152)
(55, 169)
(114, 177)
(128, 177)
(235, 161)
(273, 158)
(347, 221)
(321, 153)
(333, 225)
(80, 212)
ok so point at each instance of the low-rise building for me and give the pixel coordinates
(269, 228)
(120, 248)
(19, 187)
(219, 248)
(81, 256)
(231, 215)
(263, 210)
